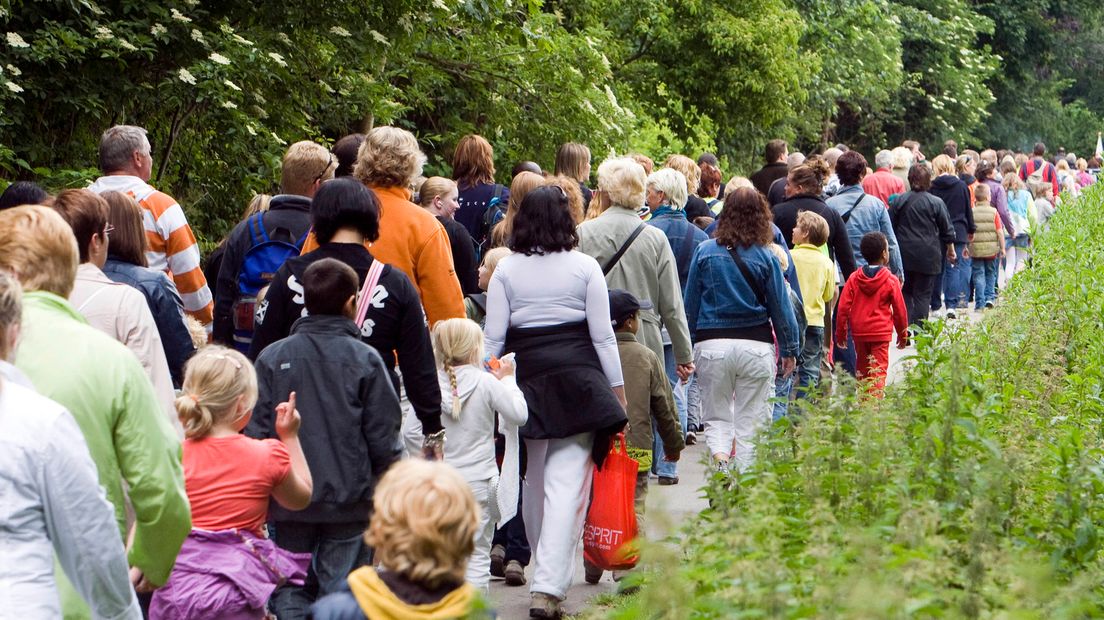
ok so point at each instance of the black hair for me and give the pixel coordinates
(345, 150)
(327, 286)
(22, 193)
(872, 246)
(919, 178)
(543, 223)
(851, 166)
(342, 203)
(619, 323)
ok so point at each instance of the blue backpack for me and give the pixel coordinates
(259, 266)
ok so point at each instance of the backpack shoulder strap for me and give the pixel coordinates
(612, 262)
(257, 232)
(756, 287)
(370, 281)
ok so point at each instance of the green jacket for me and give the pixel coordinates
(649, 394)
(104, 387)
(647, 270)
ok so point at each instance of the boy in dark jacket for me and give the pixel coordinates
(650, 402)
(349, 433)
(872, 306)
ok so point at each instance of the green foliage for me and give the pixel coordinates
(974, 490)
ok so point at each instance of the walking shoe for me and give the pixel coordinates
(591, 573)
(691, 438)
(989, 305)
(544, 606)
(498, 561)
(950, 314)
(515, 573)
(666, 481)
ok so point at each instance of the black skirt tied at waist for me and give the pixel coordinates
(565, 389)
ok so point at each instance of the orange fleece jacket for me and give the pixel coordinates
(412, 240)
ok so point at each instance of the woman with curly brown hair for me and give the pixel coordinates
(736, 304)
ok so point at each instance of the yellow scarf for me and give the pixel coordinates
(378, 602)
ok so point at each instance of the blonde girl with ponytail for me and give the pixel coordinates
(230, 479)
(470, 398)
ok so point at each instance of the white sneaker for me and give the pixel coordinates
(950, 314)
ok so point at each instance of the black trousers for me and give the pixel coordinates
(918, 294)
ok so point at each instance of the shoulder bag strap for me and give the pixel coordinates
(370, 282)
(612, 262)
(755, 285)
(847, 215)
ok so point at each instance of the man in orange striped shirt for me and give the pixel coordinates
(127, 164)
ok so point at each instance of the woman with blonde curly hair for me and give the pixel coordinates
(695, 206)
(423, 531)
(736, 304)
(411, 239)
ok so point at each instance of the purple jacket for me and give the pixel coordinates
(227, 574)
(999, 200)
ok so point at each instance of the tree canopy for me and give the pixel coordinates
(224, 86)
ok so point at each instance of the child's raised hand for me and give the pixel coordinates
(504, 368)
(287, 418)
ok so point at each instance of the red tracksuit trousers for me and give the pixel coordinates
(871, 362)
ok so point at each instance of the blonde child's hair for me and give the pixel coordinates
(491, 258)
(424, 522)
(1042, 190)
(11, 310)
(214, 379)
(780, 254)
(1012, 182)
(982, 192)
(457, 342)
(814, 226)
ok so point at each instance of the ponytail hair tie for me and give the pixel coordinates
(195, 399)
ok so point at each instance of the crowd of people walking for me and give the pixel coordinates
(381, 390)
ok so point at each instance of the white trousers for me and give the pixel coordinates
(479, 565)
(556, 494)
(736, 379)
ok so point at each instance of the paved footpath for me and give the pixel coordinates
(668, 508)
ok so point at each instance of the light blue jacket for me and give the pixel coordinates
(869, 215)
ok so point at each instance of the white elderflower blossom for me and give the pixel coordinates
(243, 40)
(379, 38)
(341, 32)
(197, 36)
(158, 30)
(441, 5)
(249, 128)
(14, 70)
(103, 33)
(278, 139)
(178, 16)
(12, 86)
(278, 59)
(127, 45)
(229, 105)
(15, 40)
(219, 58)
(186, 76)
(232, 85)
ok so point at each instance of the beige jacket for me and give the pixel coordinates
(121, 312)
(647, 270)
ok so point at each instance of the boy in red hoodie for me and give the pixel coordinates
(872, 305)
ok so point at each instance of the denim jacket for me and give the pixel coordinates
(718, 297)
(869, 215)
(683, 236)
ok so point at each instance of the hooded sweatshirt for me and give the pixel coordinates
(873, 306)
(470, 431)
(956, 195)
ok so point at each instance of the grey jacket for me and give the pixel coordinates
(869, 215)
(54, 506)
(647, 270)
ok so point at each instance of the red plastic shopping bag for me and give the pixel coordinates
(611, 521)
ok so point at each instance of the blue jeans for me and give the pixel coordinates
(663, 468)
(783, 387)
(984, 280)
(956, 281)
(337, 549)
(808, 371)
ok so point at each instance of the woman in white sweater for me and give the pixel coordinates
(548, 304)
